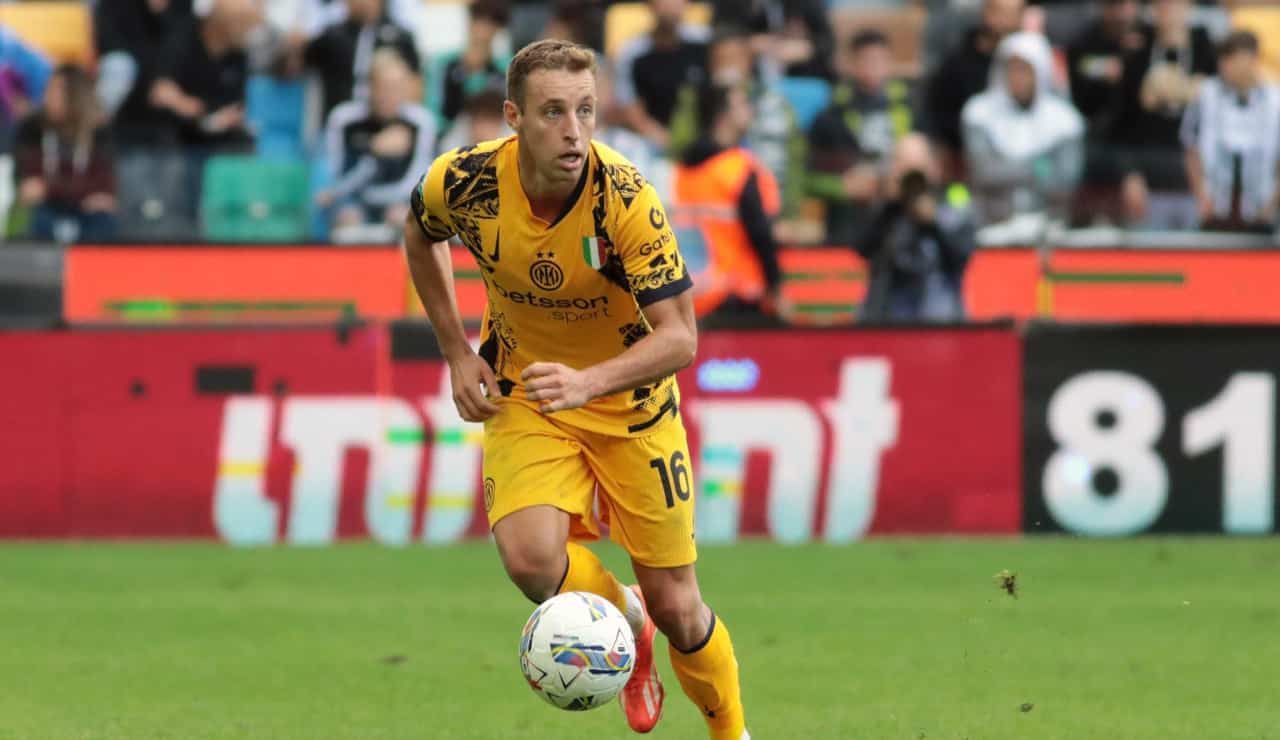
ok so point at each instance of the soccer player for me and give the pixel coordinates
(588, 319)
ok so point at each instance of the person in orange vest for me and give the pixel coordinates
(724, 203)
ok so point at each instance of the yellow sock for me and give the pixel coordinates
(587, 573)
(709, 676)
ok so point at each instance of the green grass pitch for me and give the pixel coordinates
(905, 639)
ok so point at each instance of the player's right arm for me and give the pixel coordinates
(426, 234)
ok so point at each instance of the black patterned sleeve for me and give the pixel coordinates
(648, 250)
(428, 203)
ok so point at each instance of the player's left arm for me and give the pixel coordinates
(660, 282)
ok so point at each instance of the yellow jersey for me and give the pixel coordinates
(570, 291)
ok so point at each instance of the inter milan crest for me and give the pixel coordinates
(546, 274)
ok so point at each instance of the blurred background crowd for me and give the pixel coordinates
(909, 131)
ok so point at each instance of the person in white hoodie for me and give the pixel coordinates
(1024, 143)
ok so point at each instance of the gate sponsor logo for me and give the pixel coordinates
(399, 434)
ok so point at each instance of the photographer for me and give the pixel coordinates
(916, 247)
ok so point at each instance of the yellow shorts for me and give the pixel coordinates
(645, 484)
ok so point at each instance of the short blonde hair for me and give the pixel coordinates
(549, 54)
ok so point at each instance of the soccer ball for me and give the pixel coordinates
(577, 651)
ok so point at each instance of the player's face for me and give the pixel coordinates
(557, 121)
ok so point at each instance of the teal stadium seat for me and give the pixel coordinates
(808, 96)
(244, 199)
(276, 109)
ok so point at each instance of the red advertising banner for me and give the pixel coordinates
(310, 435)
(200, 284)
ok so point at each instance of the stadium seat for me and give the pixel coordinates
(61, 30)
(251, 200)
(321, 177)
(807, 95)
(275, 109)
(625, 21)
(155, 201)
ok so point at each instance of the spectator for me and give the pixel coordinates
(481, 119)
(1096, 60)
(1174, 60)
(1024, 144)
(773, 134)
(653, 68)
(965, 72)
(611, 132)
(852, 141)
(378, 147)
(24, 73)
(916, 247)
(131, 36)
(1231, 133)
(476, 67)
(317, 16)
(201, 79)
(794, 35)
(579, 21)
(343, 53)
(64, 163)
(724, 205)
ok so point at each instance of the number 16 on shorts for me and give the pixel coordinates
(674, 477)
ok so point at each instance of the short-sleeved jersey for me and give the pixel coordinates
(569, 291)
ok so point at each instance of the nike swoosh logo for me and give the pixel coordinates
(497, 246)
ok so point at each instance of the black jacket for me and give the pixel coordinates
(771, 16)
(961, 75)
(1099, 100)
(915, 269)
(129, 26)
(342, 55)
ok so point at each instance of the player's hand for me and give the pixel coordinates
(467, 377)
(556, 387)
